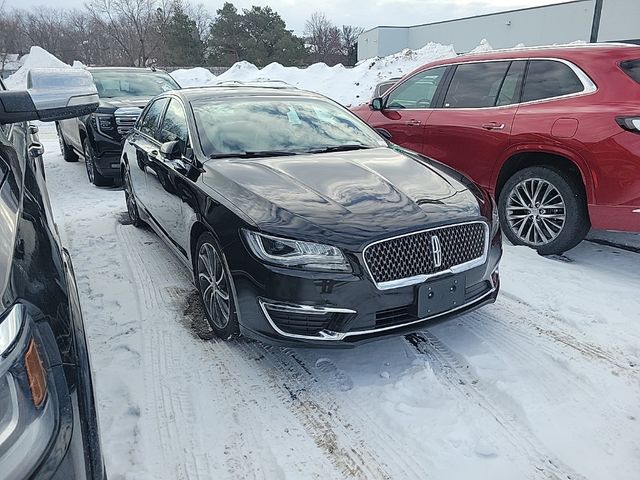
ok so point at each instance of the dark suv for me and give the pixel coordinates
(123, 93)
(553, 133)
(48, 422)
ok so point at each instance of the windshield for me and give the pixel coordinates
(121, 83)
(279, 126)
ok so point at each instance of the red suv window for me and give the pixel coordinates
(549, 79)
(476, 85)
(632, 68)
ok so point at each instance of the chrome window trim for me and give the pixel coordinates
(328, 335)
(404, 282)
(589, 86)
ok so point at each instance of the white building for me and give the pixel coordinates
(588, 20)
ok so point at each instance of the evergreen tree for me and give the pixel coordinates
(258, 35)
(183, 44)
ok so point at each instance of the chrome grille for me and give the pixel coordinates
(126, 118)
(412, 256)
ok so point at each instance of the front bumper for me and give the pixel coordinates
(286, 306)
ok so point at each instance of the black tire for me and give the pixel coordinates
(93, 174)
(130, 199)
(569, 191)
(212, 296)
(67, 152)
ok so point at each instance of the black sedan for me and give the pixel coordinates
(300, 223)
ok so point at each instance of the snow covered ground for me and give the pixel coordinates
(543, 385)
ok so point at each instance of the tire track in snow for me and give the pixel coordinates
(456, 372)
(353, 440)
(171, 407)
(507, 317)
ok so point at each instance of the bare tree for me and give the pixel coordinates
(11, 39)
(349, 37)
(324, 39)
(134, 25)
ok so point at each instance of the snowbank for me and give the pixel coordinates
(349, 86)
(36, 58)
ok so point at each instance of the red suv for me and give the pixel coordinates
(553, 133)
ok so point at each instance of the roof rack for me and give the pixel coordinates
(550, 47)
(255, 83)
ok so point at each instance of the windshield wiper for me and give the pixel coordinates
(254, 154)
(339, 148)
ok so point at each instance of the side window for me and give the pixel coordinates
(418, 91)
(476, 85)
(149, 122)
(174, 125)
(512, 85)
(548, 79)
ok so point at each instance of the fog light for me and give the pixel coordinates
(36, 374)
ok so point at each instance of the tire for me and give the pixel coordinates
(209, 262)
(67, 152)
(545, 209)
(93, 174)
(130, 199)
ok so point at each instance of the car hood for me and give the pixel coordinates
(346, 198)
(119, 102)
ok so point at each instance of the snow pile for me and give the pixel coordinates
(36, 58)
(484, 46)
(349, 86)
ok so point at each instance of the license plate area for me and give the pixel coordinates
(441, 295)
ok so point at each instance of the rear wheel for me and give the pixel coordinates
(93, 174)
(545, 209)
(214, 283)
(67, 152)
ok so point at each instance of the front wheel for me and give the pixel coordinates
(214, 283)
(545, 209)
(93, 174)
(132, 204)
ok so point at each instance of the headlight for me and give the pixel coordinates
(9, 330)
(27, 398)
(495, 218)
(295, 253)
(104, 123)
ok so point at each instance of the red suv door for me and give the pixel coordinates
(472, 129)
(407, 108)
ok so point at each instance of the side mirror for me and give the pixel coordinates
(376, 103)
(52, 94)
(171, 150)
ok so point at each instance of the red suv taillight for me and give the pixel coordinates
(631, 124)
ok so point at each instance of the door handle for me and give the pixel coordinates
(493, 126)
(413, 123)
(35, 150)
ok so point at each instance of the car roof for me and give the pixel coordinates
(571, 52)
(124, 69)
(242, 90)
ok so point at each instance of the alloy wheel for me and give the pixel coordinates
(132, 207)
(88, 161)
(214, 285)
(536, 211)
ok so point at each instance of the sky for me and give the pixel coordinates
(362, 13)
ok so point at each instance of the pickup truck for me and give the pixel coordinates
(98, 137)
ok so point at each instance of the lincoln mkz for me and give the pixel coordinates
(301, 223)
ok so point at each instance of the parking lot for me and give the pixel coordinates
(543, 384)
